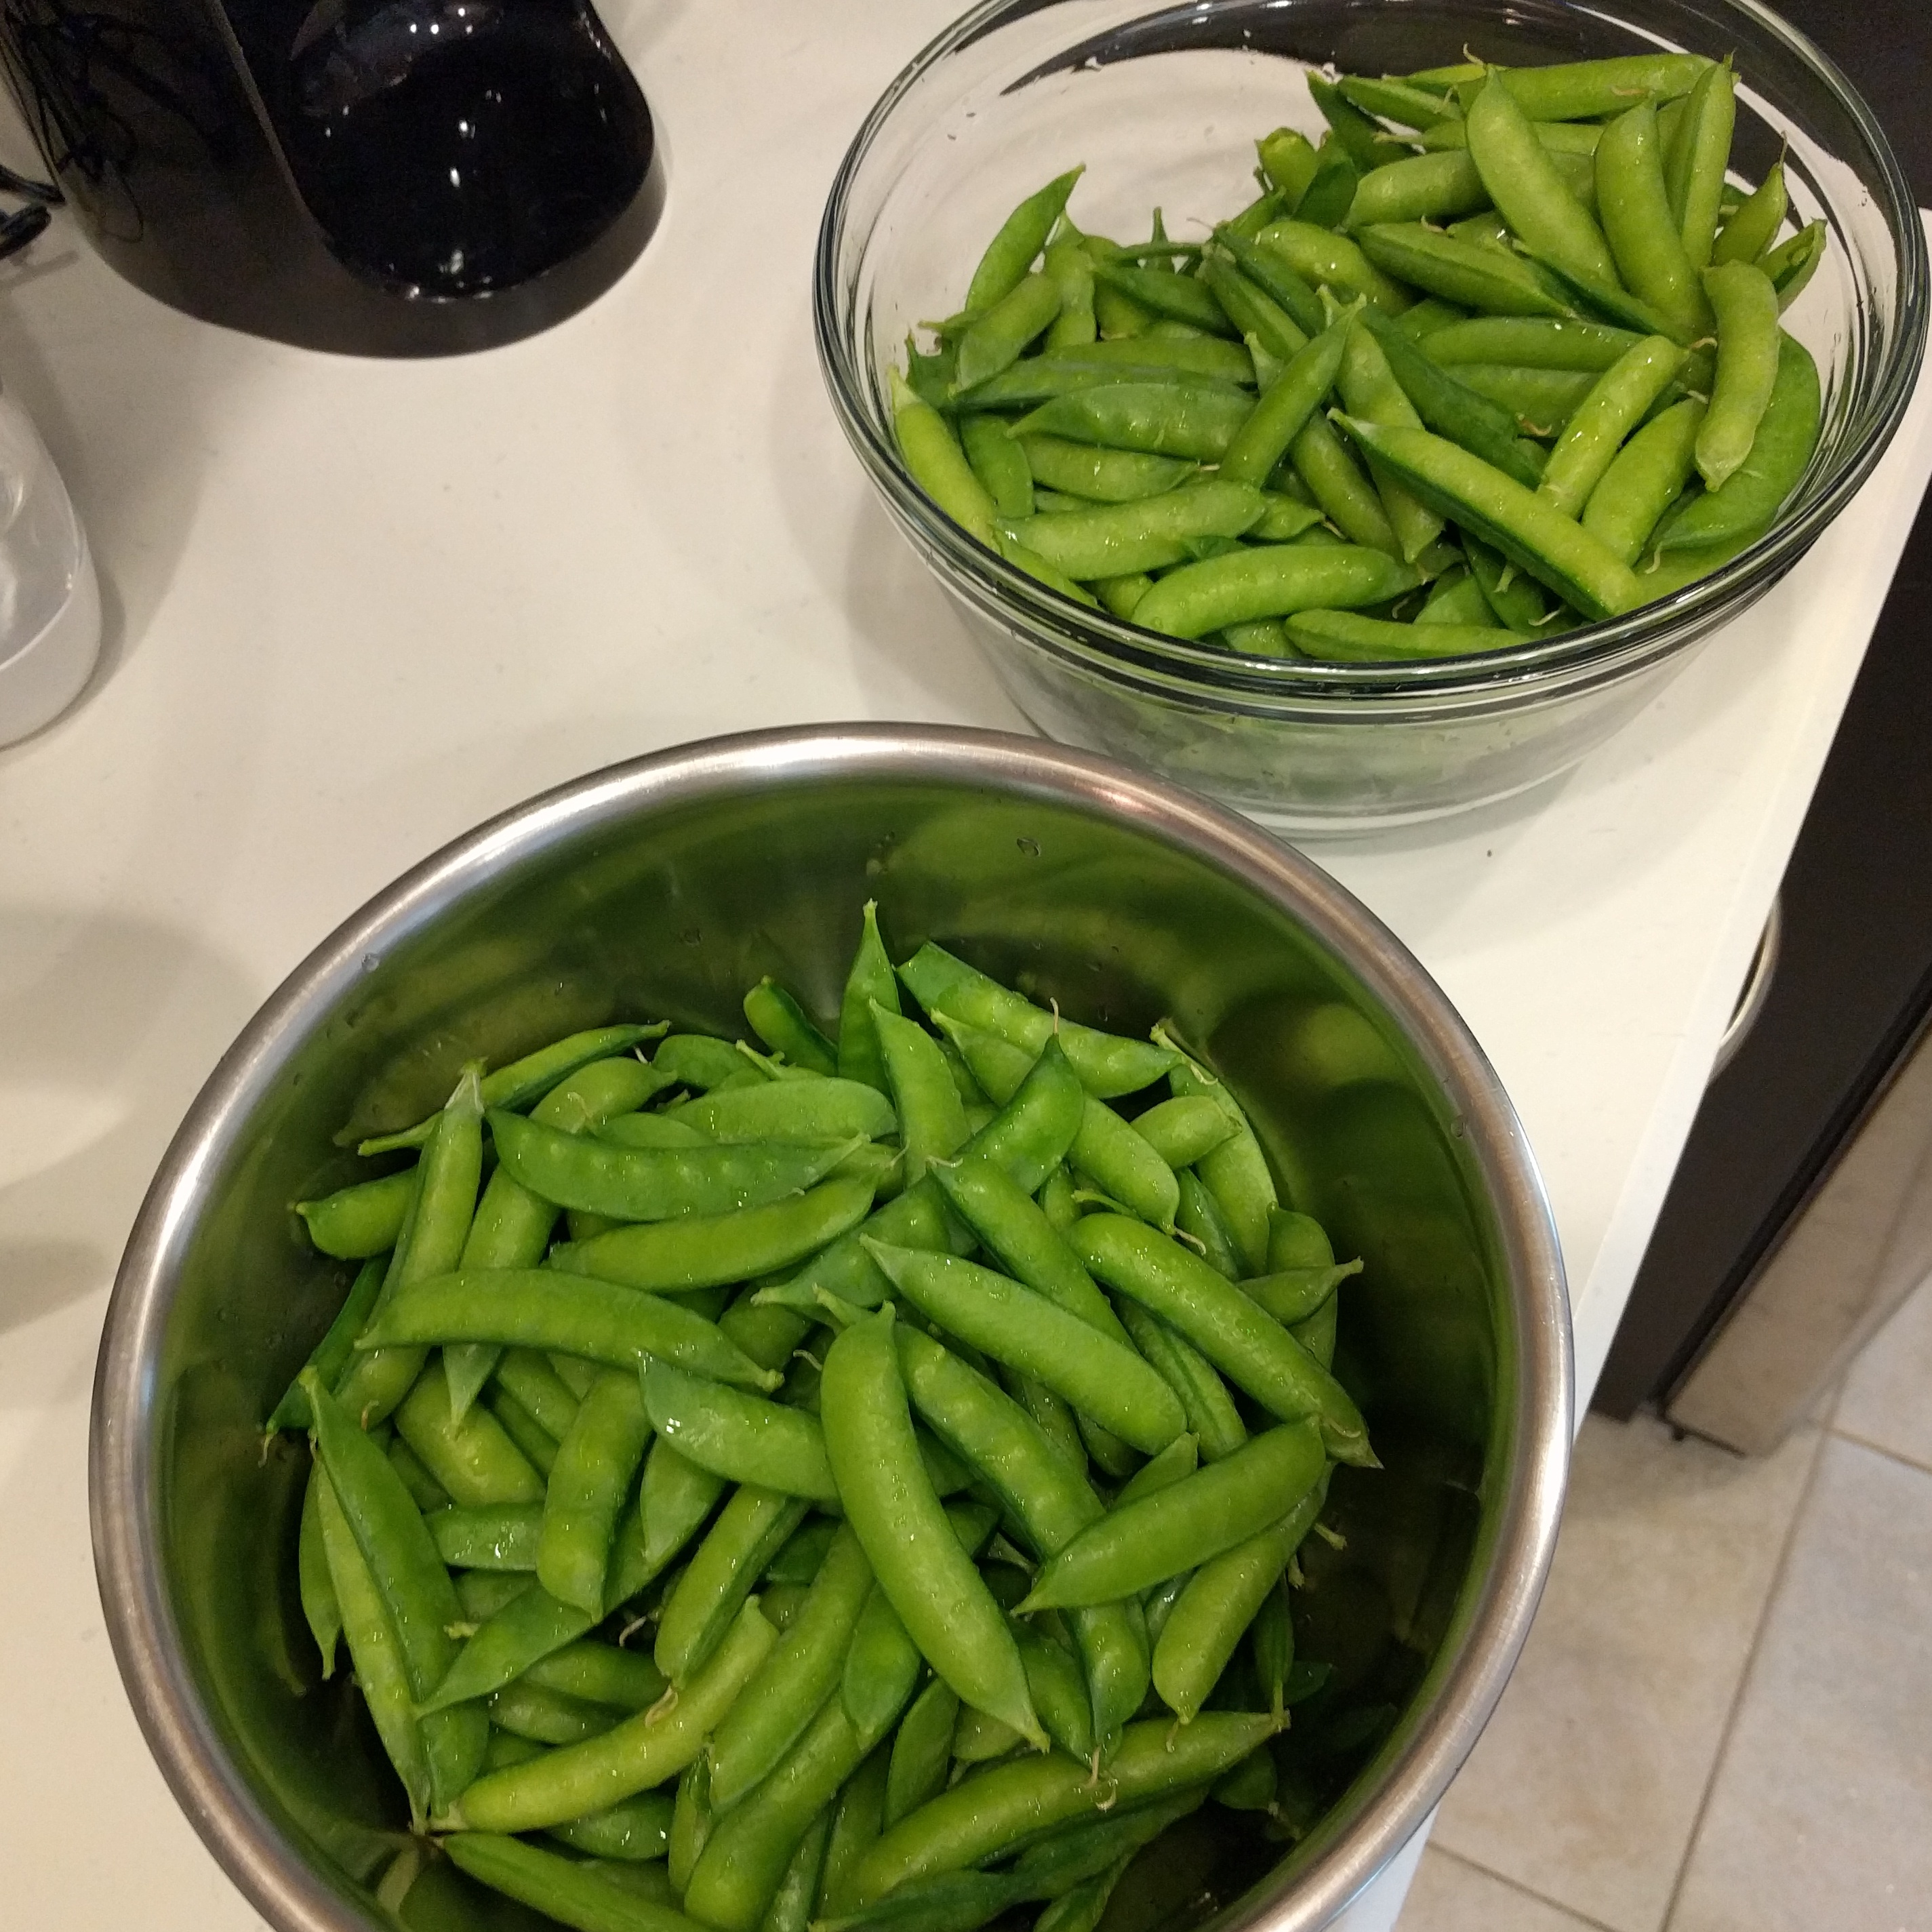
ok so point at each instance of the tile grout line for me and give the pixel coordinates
(1528, 1891)
(1865, 1442)
(1744, 1676)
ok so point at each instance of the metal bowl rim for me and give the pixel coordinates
(123, 1459)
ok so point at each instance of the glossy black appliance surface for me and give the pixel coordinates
(386, 177)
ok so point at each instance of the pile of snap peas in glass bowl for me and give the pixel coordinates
(854, 1480)
(1499, 357)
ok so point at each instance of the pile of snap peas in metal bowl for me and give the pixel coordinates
(1500, 357)
(856, 1480)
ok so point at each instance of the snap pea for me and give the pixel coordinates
(1323, 258)
(1271, 583)
(1748, 339)
(1200, 1219)
(855, 1823)
(674, 1499)
(1427, 317)
(1543, 400)
(1527, 187)
(1236, 1171)
(634, 1831)
(354, 1223)
(1002, 329)
(480, 1594)
(534, 1381)
(1050, 1410)
(1531, 342)
(1035, 566)
(1648, 475)
(547, 1716)
(320, 1610)
(1469, 274)
(1457, 598)
(1222, 1600)
(1013, 250)
(1618, 401)
(791, 1910)
(1251, 1350)
(1149, 356)
(922, 1751)
(596, 1462)
(1284, 518)
(1755, 221)
(1181, 1457)
(573, 1894)
(1288, 160)
(1116, 539)
(1268, 271)
(1651, 253)
(600, 1673)
(937, 463)
(1787, 433)
(332, 1354)
(1268, 330)
(808, 1111)
(1532, 533)
(545, 1308)
(1370, 391)
(980, 1739)
(1214, 1424)
(1605, 301)
(783, 1024)
(1437, 186)
(870, 978)
(691, 1820)
(1284, 409)
(700, 1062)
(1083, 469)
(538, 1446)
(883, 1664)
(1700, 149)
(889, 1502)
(1159, 418)
(1587, 90)
(1449, 407)
(738, 1436)
(471, 1459)
(932, 1116)
(1791, 265)
(1561, 137)
(1354, 132)
(983, 1815)
(425, 1492)
(1335, 480)
(1182, 1130)
(698, 1614)
(1181, 297)
(507, 1644)
(1293, 1294)
(1038, 378)
(1070, 268)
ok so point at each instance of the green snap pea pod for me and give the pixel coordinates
(1429, 317)
(889, 1502)
(1449, 407)
(1354, 133)
(1109, 1064)
(1200, 1217)
(637, 1755)
(1532, 533)
(1213, 1422)
(749, 1531)
(856, 1820)
(995, 341)
(741, 1437)
(374, 1648)
(1335, 480)
(1273, 582)
(998, 464)
(1055, 1417)
(870, 979)
(480, 1594)
(1328, 259)
(1528, 187)
(1162, 293)
(784, 1025)
(354, 1223)
(1647, 477)
(1016, 1231)
(882, 1665)
(744, 1863)
(634, 1831)
(768, 1335)
(932, 1116)
(535, 1382)
(1236, 1171)
(791, 1907)
(425, 1492)
(922, 1751)
(1105, 1147)
(596, 1462)
(1104, 475)
(799, 1561)
(796, 1677)
(1265, 326)
(547, 1716)
(1748, 337)
(1542, 401)
(917, 1218)
(1470, 273)
(1185, 1525)
(1182, 1130)
(1643, 233)
(408, 1577)
(1588, 90)
(1420, 187)
(1115, 539)
(1617, 402)
(571, 1893)
(1081, 1908)
(1517, 602)
(701, 1063)
(1400, 101)
(507, 1644)
(1754, 223)
(1370, 390)
(332, 1354)
(1531, 342)
(1457, 598)
(1253, 1351)
(600, 1673)
(1059, 1691)
(545, 1308)
(1147, 357)
(438, 1225)
(1285, 408)
(1700, 149)
(1560, 137)
(1181, 1457)
(1070, 268)
(1035, 566)
(1787, 433)
(1269, 271)
(711, 1250)
(675, 1498)
(1288, 160)
(1284, 518)
(1013, 250)
(983, 1815)
(980, 1739)
(1791, 265)
(800, 1110)
(1159, 418)
(1221, 1600)
(523, 1082)
(1049, 1498)
(320, 1610)
(690, 1822)
(1250, 1786)
(1292, 1294)
(473, 1459)
(1271, 1636)
(937, 463)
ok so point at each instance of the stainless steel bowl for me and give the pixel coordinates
(665, 887)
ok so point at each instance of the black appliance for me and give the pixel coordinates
(1795, 1217)
(379, 177)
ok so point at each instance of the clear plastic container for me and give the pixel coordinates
(50, 600)
(1163, 104)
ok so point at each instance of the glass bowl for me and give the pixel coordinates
(1164, 105)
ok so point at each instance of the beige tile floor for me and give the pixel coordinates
(1723, 1720)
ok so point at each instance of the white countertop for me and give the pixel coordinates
(354, 608)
